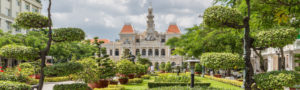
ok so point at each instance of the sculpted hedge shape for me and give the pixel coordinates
(68, 34)
(31, 20)
(219, 16)
(221, 60)
(276, 38)
(18, 52)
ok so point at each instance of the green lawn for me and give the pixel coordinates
(214, 84)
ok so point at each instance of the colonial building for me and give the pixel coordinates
(271, 57)
(9, 10)
(149, 44)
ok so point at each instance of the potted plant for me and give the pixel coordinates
(106, 70)
(113, 82)
(123, 80)
(140, 70)
(162, 67)
(126, 68)
(90, 73)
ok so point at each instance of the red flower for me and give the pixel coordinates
(19, 69)
(0, 67)
(1, 71)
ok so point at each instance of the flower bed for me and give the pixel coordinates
(10, 85)
(165, 84)
(112, 87)
(232, 82)
(57, 79)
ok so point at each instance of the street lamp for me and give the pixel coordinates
(192, 62)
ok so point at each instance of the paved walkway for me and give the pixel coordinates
(50, 85)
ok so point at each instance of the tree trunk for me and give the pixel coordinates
(282, 59)
(44, 52)
(261, 60)
(247, 52)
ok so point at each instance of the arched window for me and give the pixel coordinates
(150, 52)
(156, 52)
(173, 64)
(137, 51)
(144, 52)
(117, 52)
(163, 52)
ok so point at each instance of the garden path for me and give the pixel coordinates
(50, 85)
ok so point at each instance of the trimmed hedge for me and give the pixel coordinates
(165, 84)
(135, 81)
(10, 85)
(74, 86)
(146, 77)
(112, 87)
(63, 69)
(184, 88)
(57, 79)
(232, 82)
(277, 79)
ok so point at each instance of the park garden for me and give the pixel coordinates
(224, 41)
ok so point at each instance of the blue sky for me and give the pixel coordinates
(105, 18)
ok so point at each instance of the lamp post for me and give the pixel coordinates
(192, 62)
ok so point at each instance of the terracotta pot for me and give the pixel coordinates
(240, 80)
(93, 85)
(38, 76)
(123, 81)
(113, 82)
(130, 76)
(218, 75)
(103, 83)
(197, 73)
(293, 89)
(162, 71)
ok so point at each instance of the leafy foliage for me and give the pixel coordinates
(277, 79)
(31, 20)
(26, 68)
(125, 67)
(89, 72)
(276, 38)
(140, 69)
(74, 86)
(18, 52)
(10, 85)
(220, 16)
(198, 67)
(135, 81)
(168, 67)
(68, 34)
(107, 68)
(162, 66)
(63, 69)
(221, 60)
(297, 57)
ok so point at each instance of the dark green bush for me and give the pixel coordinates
(63, 69)
(10, 85)
(165, 84)
(198, 67)
(74, 86)
(276, 79)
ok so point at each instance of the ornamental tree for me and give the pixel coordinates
(18, 52)
(30, 20)
(168, 67)
(125, 67)
(276, 38)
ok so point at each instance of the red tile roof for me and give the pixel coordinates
(104, 40)
(127, 29)
(173, 29)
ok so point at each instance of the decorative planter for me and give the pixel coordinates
(103, 83)
(218, 75)
(93, 85)
(130, 76)
(162, 71)
(112, 82)
(240, 80)
(123, 81)
(197, 73)
(35, 76)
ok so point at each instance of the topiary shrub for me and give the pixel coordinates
(31, 20)
(168, 67)
(74, 86)
(162, 66)
(221, 60)
(220, 16)
(18, 52)
(63, 69)
(68, 34)
(198, 68)
(26, 68)
(125, 67)
(10, 85)
(277, 79)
